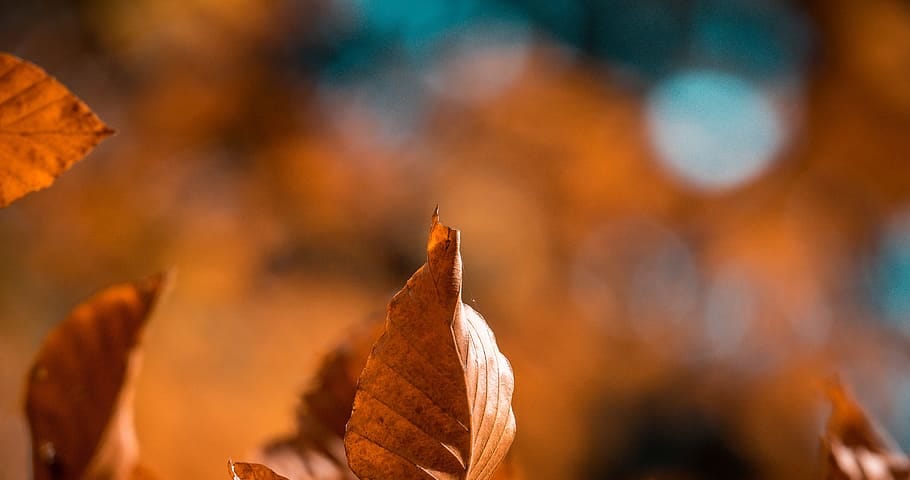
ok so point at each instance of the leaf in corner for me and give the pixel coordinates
(854, 447)
(434, 400)
(79, 398)
(44, 129)
(251, 471)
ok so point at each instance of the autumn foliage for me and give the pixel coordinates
(433, 399)
(79, 401)
(44, 128)
(283, 158)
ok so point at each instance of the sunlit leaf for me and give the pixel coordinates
(44, 129)
(434, 400)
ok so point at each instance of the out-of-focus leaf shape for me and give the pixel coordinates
(252, 471)
(435, 398)
(326, 405)
(316, 451)
(44, 129)
(79, 399)
(854, 447)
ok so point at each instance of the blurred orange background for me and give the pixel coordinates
(677, 216)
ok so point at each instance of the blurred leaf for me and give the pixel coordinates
(327, 404)
(854, 447)
(252, 471)
(316, 451)
(44, 129)
(434, 400)
(301, 458)
(79, 399)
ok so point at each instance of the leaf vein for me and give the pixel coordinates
(399, 455)
(23, 90)
(425, 394)
(394, 410)
(32, 112)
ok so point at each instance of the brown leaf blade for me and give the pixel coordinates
(434, 400)
(44, 129)
(251, 471)
(79, 398)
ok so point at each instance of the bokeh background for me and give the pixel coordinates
(677, 215)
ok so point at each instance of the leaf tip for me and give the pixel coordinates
(434, 219)
(840, 397)
(441, 234)
(163, 280)
(833, 387)
(156, 286)
(106, 131)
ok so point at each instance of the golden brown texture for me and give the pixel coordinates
(44, 129)
(79, 399)
(434, 400)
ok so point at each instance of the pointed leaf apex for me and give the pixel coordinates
(441, 235)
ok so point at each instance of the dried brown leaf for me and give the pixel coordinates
(44, 129)
(79, 399)
(854, 447)
(434, 400)
(251, 471)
